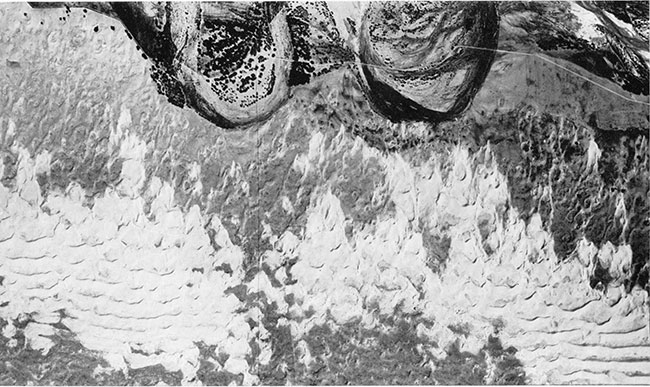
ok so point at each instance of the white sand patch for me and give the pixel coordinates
(593, 155)
(588, 23)
(342, 11)
(128, 286)
(621, 24)
(548, 310)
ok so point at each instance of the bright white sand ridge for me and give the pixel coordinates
(143, 291)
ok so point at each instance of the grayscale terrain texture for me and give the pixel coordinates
(324, 193)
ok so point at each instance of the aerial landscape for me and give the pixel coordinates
(331, 193)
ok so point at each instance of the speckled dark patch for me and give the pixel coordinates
(235, 53)
(358, 185)
(437, 248)
(167, 84)
(68, 363)
(460, 368)
(301, 68)
(10, 164)
(461, 329)
(208, 372)
(87, 162)
(350, 354)
(540, 150)
(269, 175)
(625, 167)
(508, 369)
(553, 28)
(317, 46)
(94, 172)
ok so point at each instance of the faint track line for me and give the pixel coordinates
(560, 66)
(341, 63)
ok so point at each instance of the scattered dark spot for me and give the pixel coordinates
(508, 369)
(224, 267)
(498, 325)
(463, 329)
(437, 248)
(240, 291)
(600, 278)
(10, 161)
(13, 64)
